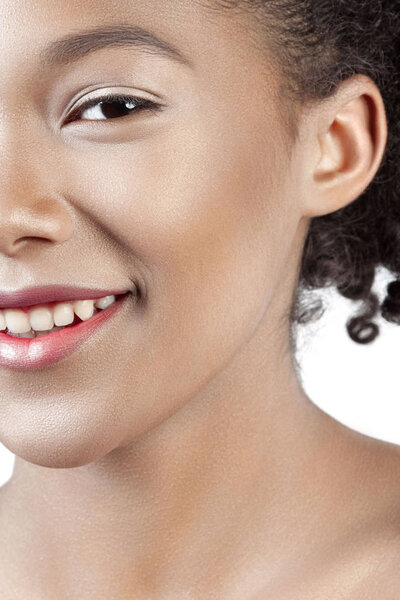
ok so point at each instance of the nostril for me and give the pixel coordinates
(20, 243)
(28, 238)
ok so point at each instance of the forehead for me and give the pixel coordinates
(195, 27)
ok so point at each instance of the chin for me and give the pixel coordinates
(57, 455)
(58, 444)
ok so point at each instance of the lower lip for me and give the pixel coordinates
(25, 354)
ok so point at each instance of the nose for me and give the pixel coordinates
(32, 212)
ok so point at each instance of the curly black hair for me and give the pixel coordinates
(318, 44)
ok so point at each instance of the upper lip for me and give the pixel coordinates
(52, 293)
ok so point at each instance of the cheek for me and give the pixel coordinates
(201, 210)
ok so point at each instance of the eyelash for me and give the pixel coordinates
(141, 104)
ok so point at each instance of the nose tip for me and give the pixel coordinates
(42, 222)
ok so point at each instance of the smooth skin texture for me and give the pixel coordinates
(176, 455)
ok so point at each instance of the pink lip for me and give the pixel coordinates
(52, 293)
(33, 353)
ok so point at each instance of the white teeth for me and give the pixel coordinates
(84, 309)
(44, 318)
(104, 302)
(41, 318)
(17, 320)
(63, 314)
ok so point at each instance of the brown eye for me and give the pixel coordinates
(111, 107)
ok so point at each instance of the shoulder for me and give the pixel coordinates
(359, 554)
(346, 572)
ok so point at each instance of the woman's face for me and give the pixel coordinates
(195, 201)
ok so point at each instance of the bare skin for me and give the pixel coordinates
(176, 455)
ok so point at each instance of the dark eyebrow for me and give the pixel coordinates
(74, 46)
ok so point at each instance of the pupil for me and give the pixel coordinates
(110, 111)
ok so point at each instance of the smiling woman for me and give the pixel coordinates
(173, 176)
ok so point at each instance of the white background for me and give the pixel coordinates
(354, 383)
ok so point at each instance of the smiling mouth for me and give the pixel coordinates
(53, 345)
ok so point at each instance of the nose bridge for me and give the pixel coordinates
(30, 206)
(22, 144)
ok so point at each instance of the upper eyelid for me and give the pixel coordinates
(101, 98)
(77, 102)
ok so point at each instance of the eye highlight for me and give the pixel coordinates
(112, 106)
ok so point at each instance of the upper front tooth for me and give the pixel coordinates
(17, 320)
(84, 309)
(63, 314)
(41, 318)
(104, 302)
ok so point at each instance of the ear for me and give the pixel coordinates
(348, 139)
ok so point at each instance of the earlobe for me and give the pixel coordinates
(352, 141)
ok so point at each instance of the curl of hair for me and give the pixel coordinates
(318, 44)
